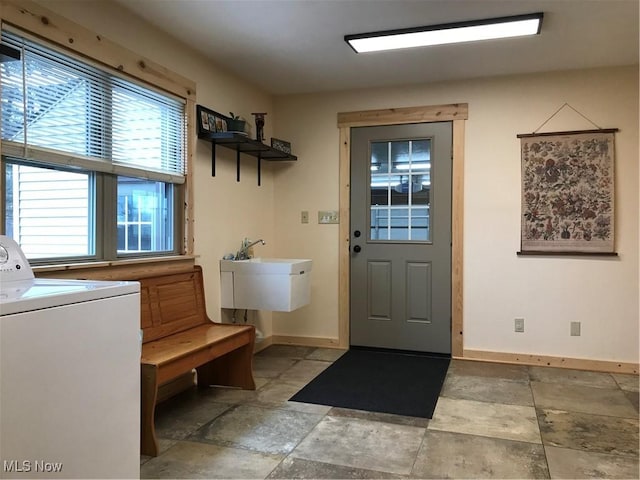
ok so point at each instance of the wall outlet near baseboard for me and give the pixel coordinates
(519, 325)
(575, 329)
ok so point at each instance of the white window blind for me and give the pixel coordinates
(57, 109)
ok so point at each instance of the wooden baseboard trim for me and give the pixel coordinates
(550, 361)
(305, 341)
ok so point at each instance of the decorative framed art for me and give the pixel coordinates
(568, 192)
(210, 121)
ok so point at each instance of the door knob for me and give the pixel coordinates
(357, 248)
(356, 233)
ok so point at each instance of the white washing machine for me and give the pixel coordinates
(69, 374)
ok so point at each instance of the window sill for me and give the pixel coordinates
(126, 269)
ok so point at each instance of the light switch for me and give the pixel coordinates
(304, 216)
(328, 216)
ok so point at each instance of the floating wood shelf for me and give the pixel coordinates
(243, 144)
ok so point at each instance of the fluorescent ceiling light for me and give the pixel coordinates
(413, 166)
(503, 27)
(405, 166)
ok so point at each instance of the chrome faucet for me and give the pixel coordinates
(243, 253)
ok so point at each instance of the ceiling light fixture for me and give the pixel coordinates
(491, 28)
(413, 166)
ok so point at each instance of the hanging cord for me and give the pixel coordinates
(558, 110)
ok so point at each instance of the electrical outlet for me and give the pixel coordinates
(575, 329)
(328, 216)
(304, 216)
(519, 325)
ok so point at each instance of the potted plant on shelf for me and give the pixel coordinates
(235, 123)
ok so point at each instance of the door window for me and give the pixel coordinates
(400, 190)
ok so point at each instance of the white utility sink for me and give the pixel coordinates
(287, 266)
(276, 284)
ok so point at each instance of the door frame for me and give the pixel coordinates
(456, 113)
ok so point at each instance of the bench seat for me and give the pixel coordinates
(188, 349)
(179, 337)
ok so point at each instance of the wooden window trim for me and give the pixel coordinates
(118, 269)
(38, 20)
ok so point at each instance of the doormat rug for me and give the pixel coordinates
(380, 381)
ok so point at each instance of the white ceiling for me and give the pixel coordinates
(295, 46)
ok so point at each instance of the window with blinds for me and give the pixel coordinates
(82, 145)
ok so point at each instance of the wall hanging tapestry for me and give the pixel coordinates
(568, 192)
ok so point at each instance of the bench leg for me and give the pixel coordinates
(148, 441)
(233, 369)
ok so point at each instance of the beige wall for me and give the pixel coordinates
(549, 292)
(602, 293)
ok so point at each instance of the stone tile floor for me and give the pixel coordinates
(491, 421)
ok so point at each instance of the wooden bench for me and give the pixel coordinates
(178, 337)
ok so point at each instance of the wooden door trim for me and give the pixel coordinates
(457, 114)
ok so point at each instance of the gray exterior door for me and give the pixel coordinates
(401, 237)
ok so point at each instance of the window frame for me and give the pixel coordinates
(394, 210)
(103, 213)
(95, 210)
(70, 38)
(178, 225)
